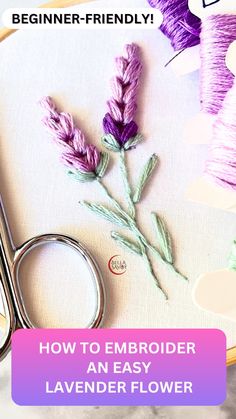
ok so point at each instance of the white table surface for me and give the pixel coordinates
(75, 67)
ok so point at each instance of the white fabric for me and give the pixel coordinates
(75, 67)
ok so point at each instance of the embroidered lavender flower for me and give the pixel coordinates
(121, 131)
(87, 163)
(85, 160)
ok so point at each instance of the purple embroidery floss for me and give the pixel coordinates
(179, 25)
(217, 33)
(221, 164)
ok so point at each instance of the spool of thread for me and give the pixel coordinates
(221, 163)
(217, 33)
(216, 79)
(218, 185)
(180, 26)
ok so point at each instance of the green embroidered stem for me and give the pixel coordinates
(113, 200)
(166, 258)
(168, 264)
(128, 191)
(133, 224)
(138, 249)
(137, 232)
(156, 252)
(133, 227)
(161, 258)
(150, 269)
(232, 259)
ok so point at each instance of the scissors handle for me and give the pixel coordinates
(16, 313)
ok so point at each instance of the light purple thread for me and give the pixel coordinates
(218, 32)
(180, 26)
(119, 121)
(76, 152)
(221, 164)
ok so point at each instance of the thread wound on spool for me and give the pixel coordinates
(217, 33)
(180, 26)
(221, 164)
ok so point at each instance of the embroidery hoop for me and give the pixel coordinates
(54, 4)
(5, 33)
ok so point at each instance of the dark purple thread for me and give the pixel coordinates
(119, 121)
(180, 26)
(122, 133)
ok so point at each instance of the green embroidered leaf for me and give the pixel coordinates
(126, 243)
(102, 167)
(232, 259)
(144, 177)
(82, 176)
(132, 142)
(90, 176)
(106, 213)
(163, 238)
(110, 142)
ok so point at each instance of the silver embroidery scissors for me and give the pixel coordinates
(10, 260)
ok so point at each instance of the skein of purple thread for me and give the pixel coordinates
(179, 25)
(221, 164)
(217, 33)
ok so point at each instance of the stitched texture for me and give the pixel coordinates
(87, 163)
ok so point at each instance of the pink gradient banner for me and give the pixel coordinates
(118, 367)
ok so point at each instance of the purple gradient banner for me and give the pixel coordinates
(118, 367)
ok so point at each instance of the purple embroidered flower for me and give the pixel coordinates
(88, 162)
(122, 133)
(119, 127)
